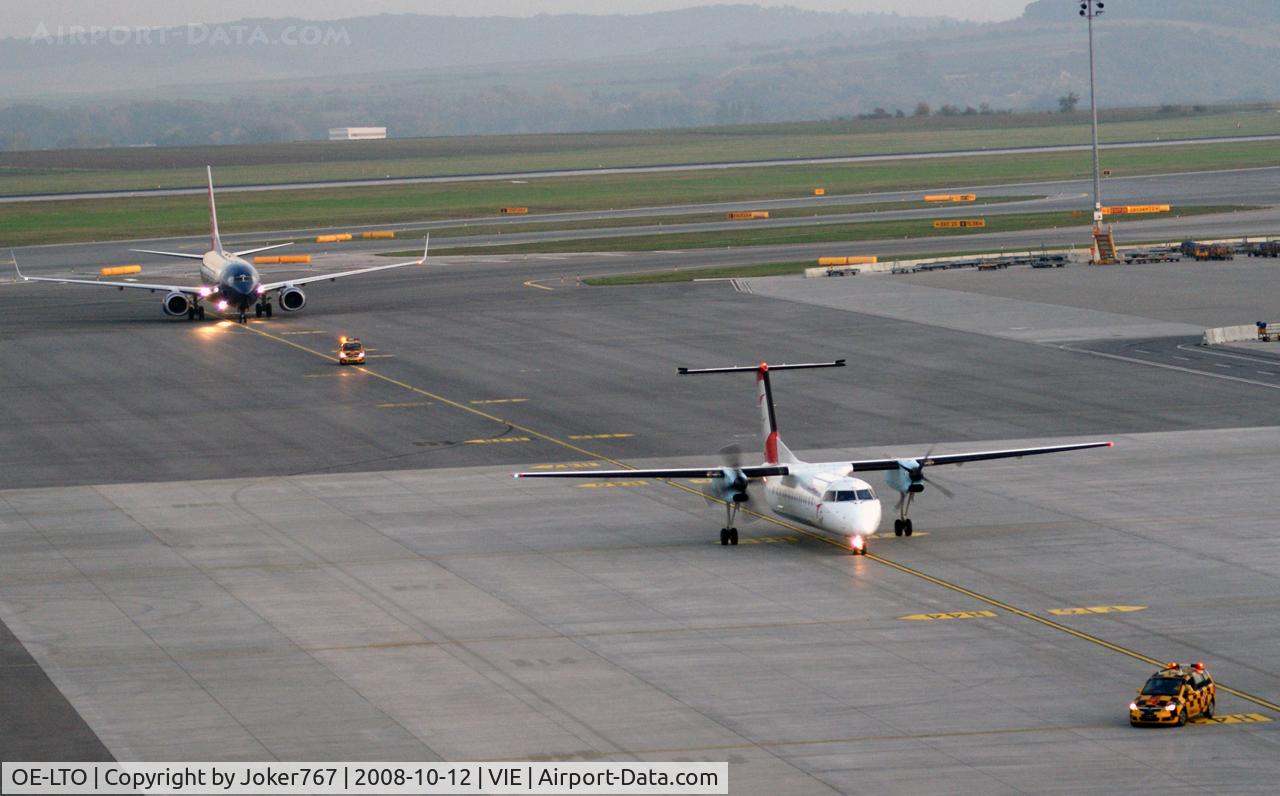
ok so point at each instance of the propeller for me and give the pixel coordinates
(733, 485)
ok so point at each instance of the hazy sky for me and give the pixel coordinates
(25, 18)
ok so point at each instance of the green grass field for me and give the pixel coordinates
(144, 168)
(830, 233)
(112, 219)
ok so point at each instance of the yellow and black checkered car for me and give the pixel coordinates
(1174, 695)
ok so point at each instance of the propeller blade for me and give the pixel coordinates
(731, 455)
(938, 486)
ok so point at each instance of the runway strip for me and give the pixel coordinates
(776, 521)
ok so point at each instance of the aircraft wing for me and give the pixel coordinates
(978, 456)
(194, 290)
(267, 286)
(758, 471)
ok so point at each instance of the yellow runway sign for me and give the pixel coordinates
(960, 223)
(951, 197)
(1124, 210)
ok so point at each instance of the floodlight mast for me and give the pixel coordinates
(1090, 9)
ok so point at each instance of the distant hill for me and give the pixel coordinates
(1217, 12)
(273, 49)
(425, 75)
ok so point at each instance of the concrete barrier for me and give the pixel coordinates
(1230, 334)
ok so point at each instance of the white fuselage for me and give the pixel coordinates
(236, 281)
(824, 496)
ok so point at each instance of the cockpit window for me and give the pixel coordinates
(847, 495)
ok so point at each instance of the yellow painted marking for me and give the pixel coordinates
(600, 436)
(1097, 609)
(496, 440)
(532, 283)
(498, 401)
(699, 480)
(405, 405)
(951, 615)
(770, 540)
(566, 466)
(1232, 718)
(610, 484)
(781, 523)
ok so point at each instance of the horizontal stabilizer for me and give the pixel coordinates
(183, 255)
(247, 252)
(839, 363)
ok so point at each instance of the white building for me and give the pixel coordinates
(357, 133)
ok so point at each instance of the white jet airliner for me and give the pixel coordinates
(824, 495)
(227, 279)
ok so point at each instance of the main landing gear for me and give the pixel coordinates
(902, 525)
(729, 534)
(194, 312)
(262, 308)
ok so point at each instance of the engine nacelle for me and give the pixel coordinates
(292, 299)
(177, 304)
(731, 486)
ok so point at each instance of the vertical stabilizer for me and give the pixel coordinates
(775, 452)
(215, 240)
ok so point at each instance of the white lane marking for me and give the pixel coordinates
(1211, 352)
(1164, 366)
(1143, 351)
(1222, 365)
(1184, 359)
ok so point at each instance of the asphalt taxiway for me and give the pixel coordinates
(219, 544)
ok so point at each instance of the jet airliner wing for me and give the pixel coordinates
(194, 290)
(758, 471)
(268, 286)
(979, 456)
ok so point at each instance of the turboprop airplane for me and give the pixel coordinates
(825, 495)
(226, 279)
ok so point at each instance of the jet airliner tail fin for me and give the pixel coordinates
(215, 240)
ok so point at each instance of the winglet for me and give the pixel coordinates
(14, 257)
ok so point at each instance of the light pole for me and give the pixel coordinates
(1090, 9)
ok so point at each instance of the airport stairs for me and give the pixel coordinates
(1104, 246)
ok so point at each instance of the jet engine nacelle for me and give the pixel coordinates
(292, 299)
(176, 304)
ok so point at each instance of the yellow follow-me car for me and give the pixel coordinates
(350, 351)
(1174, 695)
